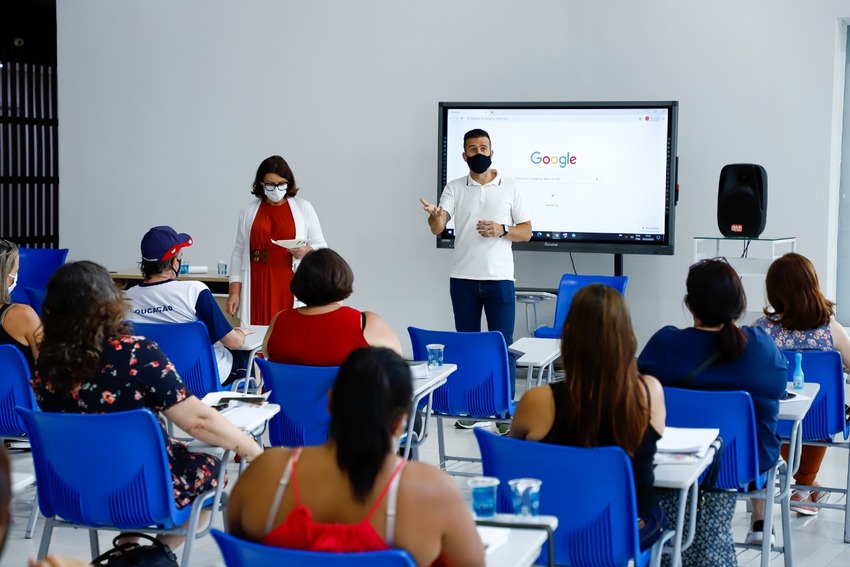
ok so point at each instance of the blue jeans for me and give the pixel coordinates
(497, 298)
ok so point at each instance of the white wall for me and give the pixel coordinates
(166, 109)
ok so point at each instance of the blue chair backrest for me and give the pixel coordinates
(732, 412)
(35, 297)
(101, 469)
(480, 386)
(14, 390)
(591, 491)
(302, 392)
(241, 553)
(188, 347)
(570, 284)
(826, 416)
(36, 267)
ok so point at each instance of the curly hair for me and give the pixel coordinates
(83, 308)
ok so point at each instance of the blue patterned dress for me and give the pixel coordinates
(135, 374)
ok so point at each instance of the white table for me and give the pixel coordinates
(525, 540)
(253, 343)
(793, 410)
(684, 478)
(532, 297)
(536, 353)
(422, 388)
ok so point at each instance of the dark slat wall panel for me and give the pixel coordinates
(29, 170)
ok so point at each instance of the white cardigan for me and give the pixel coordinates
(307, 227)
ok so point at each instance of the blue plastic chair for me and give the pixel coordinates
(825, 417)
(188, 347)
(302, 393)
(128, 486)
(732, 412)
(241, 553)
(479, 388)
(15, 392)
(35, 297)
(591, 491)
(570, 284)
(36, 267)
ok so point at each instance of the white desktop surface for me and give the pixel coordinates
(255, 339)
(523, 545)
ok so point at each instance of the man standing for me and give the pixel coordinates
(162, 298)
(489, 213)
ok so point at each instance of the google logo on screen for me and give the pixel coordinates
(561, 161)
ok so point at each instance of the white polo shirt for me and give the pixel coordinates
(467, 201)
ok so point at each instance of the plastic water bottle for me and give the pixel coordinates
(799, 379)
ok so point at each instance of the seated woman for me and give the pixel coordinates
(89, 363)
(801, 318)
(19, 323)
(353, 493)
(738, 358)
(603, 400)
(325, 331)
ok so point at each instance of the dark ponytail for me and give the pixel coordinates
(373, 389)
(716, 297)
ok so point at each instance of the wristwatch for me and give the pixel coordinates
(505, 228)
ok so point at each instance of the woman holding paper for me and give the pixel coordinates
(603, 399)
(275, 230)
(90, 363)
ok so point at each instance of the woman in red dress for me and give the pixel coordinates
(260, 268)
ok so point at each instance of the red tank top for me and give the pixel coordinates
(316, 340)
(300, 531)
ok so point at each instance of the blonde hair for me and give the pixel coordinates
(8, 255)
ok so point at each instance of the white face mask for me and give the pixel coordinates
(277, 194)
(14, 281)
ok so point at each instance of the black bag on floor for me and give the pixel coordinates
(134, 555)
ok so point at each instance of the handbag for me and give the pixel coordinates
(131, 554)
(713, 544)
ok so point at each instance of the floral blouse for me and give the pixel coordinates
(135, 374)
(819, 338)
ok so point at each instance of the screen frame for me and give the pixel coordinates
(663, 247)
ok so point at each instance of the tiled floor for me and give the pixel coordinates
(818, 541)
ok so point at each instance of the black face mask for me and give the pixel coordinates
(179, 265)
(479, 163)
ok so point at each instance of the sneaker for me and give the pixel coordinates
(756, 535)
(504, 428)
(470, 423)
(806, 496)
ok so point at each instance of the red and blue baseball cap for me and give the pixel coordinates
(161, 243)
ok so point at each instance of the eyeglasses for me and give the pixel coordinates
(272, 186)
(708, 260)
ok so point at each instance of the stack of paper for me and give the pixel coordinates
(694, 441)
(228, 398)
(418, 368)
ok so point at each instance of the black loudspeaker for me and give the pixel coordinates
(742, 200)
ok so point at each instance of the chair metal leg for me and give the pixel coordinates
(45, 539)
(441, 442)
(94, 543)
(847, 501)
(33, 516)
